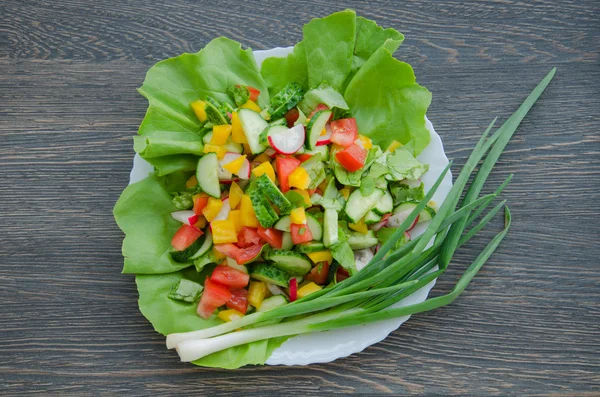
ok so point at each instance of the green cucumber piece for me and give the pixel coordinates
(282, 121)
(330, 226)
(372, 218)
(214, 113)
(293, 263)
(358, 205)
(426, 214)
(384, 205)
(313, 246)
(265, 185)
(206, 245)
(312, 222)
(270, 274)
(233, 264)
(359, 241)
(284, 100)
(315, 126)
(253, 125)
(283, 224)
(189, 252)
(207, 174)
(186, 290)
(287, 243)
(272, 303)
(264, 213)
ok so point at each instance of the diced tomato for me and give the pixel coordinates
(228, 250)
(352, 158)
(319, 107)
(273, 237)
(185, 236)
(229, 277)
(213, 296)
(319, 273)
(239, 300)
(248, 254)
(300, 234)
(303, 157)
(284, 167)
(247, 236)
(311, 191)
(344, 131)
(291, 117)
(199, 204)
(254, 93)
(341, 274)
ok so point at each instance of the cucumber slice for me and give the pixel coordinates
(265, 185)
(283, 224)
(313, 246)
(282, 121)
(293, 263)
(233, 264)
(206, 245)
(264, 213)
(207, 173)
(404, 209)
(314, 226)
(285, 99)
(214, 113)
(287, 243)
(330, 224)
(371, 218)
(359, 241)
(186, 290)
(186, 254)
(270, 274)
(315, 126)
(272, 303)
(358, 205)
(384, 205)
(253, 125)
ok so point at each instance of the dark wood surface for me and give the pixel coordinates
(529, 324)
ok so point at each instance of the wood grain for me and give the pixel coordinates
(528, 325)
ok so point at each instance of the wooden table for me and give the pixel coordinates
(529, 324)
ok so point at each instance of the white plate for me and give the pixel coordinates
(324, 347)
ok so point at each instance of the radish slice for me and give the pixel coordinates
(293, 289)
(414, 223)
(288, 141)
(325, 139)
(270, 152)
(275, 290)
(397, 219)
(224, 212)
(408, 236)
(362, 258)
(187, 217)
(377, 226)
(226, 176)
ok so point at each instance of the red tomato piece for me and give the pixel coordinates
(284, 167)
(352, 158)
(213, 296)
(303, 157)
(248, 236)
(248, 254)
(341, 274)
(185, 236)
(254, 93)
(319, 107)
(319, 273)
(239, 300)
(273, 237)
(300, 234)
(199, 204)
(229, 250)
(229, 277)
(344, 131)
(291, 117)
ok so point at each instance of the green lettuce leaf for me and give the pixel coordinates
(403, 165)
(369, 38)
(324, 94)
(387, 102)
(168, 316)
(277, 72)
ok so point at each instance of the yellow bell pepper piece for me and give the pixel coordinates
(191, 182)
(323, 185)
(345, 192)
(304, 195)
(308, 289)
(237, 132)
(299, 178)
(263, 157)
(298, 216)
(366, 141)
(235, 194)
(201, 223)
(220, 134)
(321, 256)
(219, 150)
(252, 106)
(360, 226)
(212, 208)
(256, 293)
(235, 165)
(223, 231)
(199, 108)
(218, 255)
(265, 168)
(393, 146)
(247, 214)
(229, 315)
(235, 216)
(247, 149)
(324, 132)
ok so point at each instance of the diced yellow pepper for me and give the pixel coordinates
(247, 149)
(321, 256)
(304, 195)
(247, 214)
(235, 165)
(265, 168)
(212, 208)
(345, 192)
(252, 106)
(218, 255)
(223, 231)
(298, 216)
(235, 194)
(324, 132)
(219, 150)
(220, 134)
(236, 217)
(199, 108)
(256, 293)
(299, 178)
(360, 226)
(237, 132)
(191, 182)
(393, 146)
(308, 289)
(229, 315)
(366, 141)
(263, 157)
(201, 223)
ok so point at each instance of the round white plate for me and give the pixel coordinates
(324, 347)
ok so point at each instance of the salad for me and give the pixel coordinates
(283, 198)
